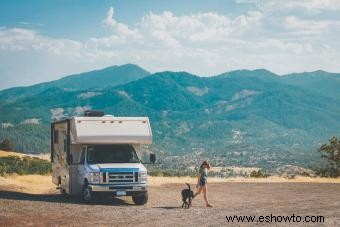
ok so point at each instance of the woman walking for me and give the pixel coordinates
(202, 182)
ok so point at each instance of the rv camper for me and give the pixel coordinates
(100, 154)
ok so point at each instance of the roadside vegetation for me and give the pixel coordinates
(24, 165)
(193, 173)
(330, 152)
(259, 174)
(172, 173)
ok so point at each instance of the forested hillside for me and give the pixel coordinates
(249, 118)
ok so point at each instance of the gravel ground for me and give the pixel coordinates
(163, 209)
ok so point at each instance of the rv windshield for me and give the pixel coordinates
(111, 154)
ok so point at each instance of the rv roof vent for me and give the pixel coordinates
(94, 113)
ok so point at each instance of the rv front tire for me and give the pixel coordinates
(62, 191)
(140, 199)
(87, 194)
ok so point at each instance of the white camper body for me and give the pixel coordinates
(92, 155)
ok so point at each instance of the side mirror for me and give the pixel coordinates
(152, 158)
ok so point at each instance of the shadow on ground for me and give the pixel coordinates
(168, 207)
(58, 198)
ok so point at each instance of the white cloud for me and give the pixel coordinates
(18, 39)
(121, 29)
(312, 6)
(203, 43)
(109, 20)
(310, 27)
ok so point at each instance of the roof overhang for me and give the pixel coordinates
(111, 130)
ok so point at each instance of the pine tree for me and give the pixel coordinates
(331, 152)
(6, 145)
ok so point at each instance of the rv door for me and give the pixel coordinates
(81, 166)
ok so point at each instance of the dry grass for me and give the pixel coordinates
(34, 184)
(38, 184)
(11, 153)
(157, 181)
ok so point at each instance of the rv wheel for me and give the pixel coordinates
(140, 199)
(87, 194)
(62, 191)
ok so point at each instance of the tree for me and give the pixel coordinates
(258, 174)
(6, 145)
(331, 152)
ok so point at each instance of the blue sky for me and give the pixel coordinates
(45, 40)
(83, 17)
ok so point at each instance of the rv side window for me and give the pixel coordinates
(65, 140)
(56, 136)
(65, 145)
(82, 156)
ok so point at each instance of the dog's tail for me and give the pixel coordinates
(188, 186)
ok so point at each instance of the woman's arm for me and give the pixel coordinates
(198, 179)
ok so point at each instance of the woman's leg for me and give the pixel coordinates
(198, 192)
(204, 188)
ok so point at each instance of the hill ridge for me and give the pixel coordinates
(254, 117)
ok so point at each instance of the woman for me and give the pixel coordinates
(202, 182)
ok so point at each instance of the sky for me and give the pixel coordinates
(43, 40)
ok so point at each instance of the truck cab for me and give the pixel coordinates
(96, 155)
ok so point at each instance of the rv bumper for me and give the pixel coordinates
(117, 189)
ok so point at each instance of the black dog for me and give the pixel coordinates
(187, 196)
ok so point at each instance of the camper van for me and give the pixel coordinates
(100, 154)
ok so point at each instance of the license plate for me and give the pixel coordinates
(121, 193)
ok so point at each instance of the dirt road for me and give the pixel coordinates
(18, 208)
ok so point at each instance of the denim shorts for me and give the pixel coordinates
(202, 182)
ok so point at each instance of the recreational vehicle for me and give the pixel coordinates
(100, 154)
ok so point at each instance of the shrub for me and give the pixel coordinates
(258, 174)
(6, 145)
(328, 171)
(305, 174)
(25, 165)
(172, 173)
(331, 153)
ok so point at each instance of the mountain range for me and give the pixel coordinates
(243, 117)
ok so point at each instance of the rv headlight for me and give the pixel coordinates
(143, 176)
(94, 177)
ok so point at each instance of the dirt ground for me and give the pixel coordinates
(22, 207)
